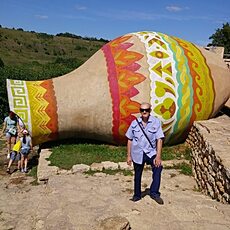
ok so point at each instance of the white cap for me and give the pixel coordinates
(25, 131)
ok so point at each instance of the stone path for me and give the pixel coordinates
(81, 202)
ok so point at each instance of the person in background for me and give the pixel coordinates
(145, 139)
(26, 147)
(11, 128)
(15, 155)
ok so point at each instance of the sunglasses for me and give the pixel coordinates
(145, 110)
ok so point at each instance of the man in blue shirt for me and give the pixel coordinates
(145, 138)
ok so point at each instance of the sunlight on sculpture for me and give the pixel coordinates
(183, 83)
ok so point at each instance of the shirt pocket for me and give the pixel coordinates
(152, 133)
(137, 133)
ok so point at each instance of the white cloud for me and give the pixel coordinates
(41, 16)
(78, 7)
(175, 8)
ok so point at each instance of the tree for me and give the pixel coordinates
(68, 35)
(222, 38)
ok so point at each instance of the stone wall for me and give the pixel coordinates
(210, 145)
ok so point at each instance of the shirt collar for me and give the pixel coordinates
(150, 120)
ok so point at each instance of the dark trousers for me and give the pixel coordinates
(156, 177)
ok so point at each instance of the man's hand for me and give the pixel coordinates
(157, 161)
(129, 160)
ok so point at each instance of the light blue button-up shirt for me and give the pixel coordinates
(140, 144)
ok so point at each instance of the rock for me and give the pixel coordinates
(39, 225)
(100, 174)
(63, 172)
(80, 168)
(171, 163)
(96, 167)
(124, 166)
(210, 156)
(109, 165)
(115, 223)
(44, 171)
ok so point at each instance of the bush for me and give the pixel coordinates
(44, 36)
(69, 62)
(1, 63)
(68, 35)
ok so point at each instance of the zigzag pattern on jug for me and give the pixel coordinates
(43, 110)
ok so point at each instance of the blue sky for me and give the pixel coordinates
(193, 20)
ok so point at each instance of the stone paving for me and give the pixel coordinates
(82, 202)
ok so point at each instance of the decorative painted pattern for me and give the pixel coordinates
(35, 103)
(43, 108)
(185, 91)
(163, 75)
(182, 88)
(202, 81)
(19, 101)
(122, 76)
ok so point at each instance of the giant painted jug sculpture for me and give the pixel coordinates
(183, 83)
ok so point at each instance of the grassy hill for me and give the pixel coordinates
(20, 47)
(37, 56)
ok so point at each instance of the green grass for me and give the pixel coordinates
(33, 172)
(180, 151)
(184, 168)
(66, 155)
(34, 56)
(22, 47)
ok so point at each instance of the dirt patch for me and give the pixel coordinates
(3, 159)
(17, 180)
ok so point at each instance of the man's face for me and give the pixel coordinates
(145, 110)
